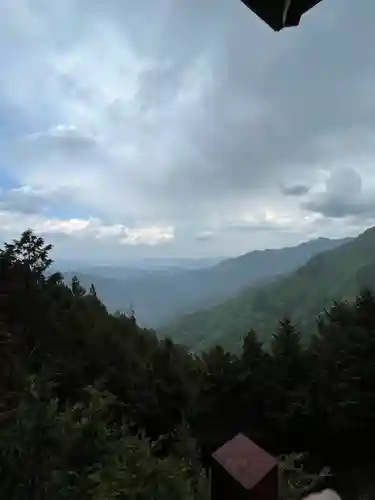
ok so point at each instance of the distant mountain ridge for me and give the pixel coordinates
(109, 269)
(337, 273)
(159, 295)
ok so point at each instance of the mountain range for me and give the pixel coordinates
(337, 273)
(158, 294)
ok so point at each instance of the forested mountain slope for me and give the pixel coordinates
(334, 274)
(92, 406)
(158, 295)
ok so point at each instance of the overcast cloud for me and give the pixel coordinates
(184, 127)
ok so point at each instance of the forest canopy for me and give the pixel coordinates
(92, 406)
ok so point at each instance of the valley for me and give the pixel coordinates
(159, 294)
(338, 273)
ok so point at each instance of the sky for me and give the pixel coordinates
(184, 128)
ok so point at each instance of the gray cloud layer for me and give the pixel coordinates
(343, 196)
(295, 190)
(272, 105)
(225, 117)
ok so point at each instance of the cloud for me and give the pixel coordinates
(28, 200)
(93, 228)
(67, 139)
(205, 235)
(22, 200)
(106, 241)
(187, 115)
(294, 190)
(343, 196)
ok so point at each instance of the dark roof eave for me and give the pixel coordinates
(271, 11)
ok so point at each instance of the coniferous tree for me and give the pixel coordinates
(77, 289)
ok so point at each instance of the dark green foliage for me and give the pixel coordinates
(58, 437)
(94, 407)
(75, 452)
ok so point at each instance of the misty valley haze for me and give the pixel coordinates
(159, 294)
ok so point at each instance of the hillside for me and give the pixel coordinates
(92, 406)
(334, 274)
(159, 295)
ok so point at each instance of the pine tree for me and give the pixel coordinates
(92, 291)
(77, 288)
